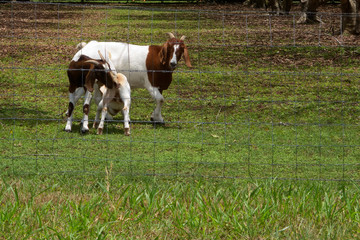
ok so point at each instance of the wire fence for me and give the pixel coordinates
(266, 97)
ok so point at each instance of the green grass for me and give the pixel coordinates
(111, 207)
(251, 117)
(243, 108)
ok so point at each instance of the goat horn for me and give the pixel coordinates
(93, 62)
(101, 56)
(170, 35)
(182, 38)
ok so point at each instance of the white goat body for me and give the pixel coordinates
(112, 101)
(147, 67)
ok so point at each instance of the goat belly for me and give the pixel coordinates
(160, 79)
(163, 80)
(114, 107)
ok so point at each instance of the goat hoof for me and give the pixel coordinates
(100, 131)
(83, 131)
(157, 122)
(67, 130)
(127, 131)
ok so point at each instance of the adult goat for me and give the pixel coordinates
(149, 67)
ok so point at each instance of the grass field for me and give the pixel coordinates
(266, 99)
(88, 207)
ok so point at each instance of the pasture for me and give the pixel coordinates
(266, 99)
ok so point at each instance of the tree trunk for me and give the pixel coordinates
(287, 6)
(308, 9)
(350, 17)
(280, 6)
(256, 3)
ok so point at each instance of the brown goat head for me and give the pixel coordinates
(100, 70)
(172, 51)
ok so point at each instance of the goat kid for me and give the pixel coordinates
(82, 73)
(112, 101)
(149, 67)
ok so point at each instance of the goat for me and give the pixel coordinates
(110, 101)
(149, 67)
(82, 73)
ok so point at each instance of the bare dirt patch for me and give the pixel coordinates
(33, 34)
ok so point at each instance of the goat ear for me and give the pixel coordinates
(187, 58)
(163, 54)
(90, 80)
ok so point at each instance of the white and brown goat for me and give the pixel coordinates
(149, 67)
(84, 74)
(112, 101)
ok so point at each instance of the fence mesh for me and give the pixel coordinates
(266, 97)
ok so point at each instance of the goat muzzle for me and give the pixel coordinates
(173, 65)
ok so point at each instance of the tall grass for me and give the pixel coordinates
(60, 207)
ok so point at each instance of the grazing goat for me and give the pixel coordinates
(149, 67)
(111, 101)
(82, 73)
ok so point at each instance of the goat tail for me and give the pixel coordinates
(80, 45)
